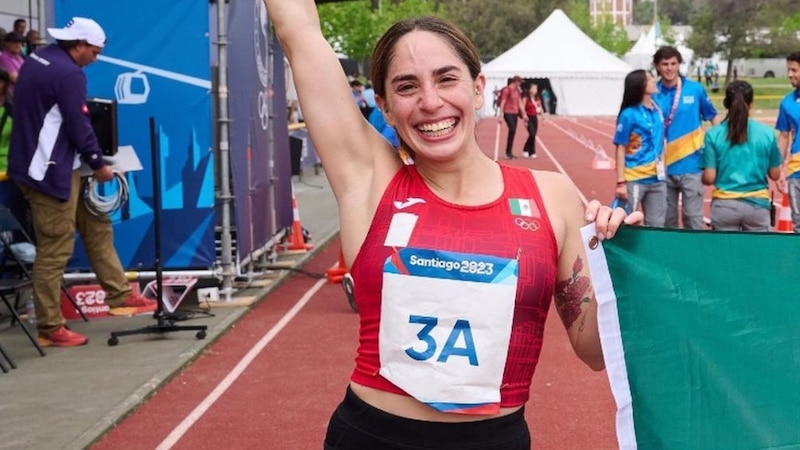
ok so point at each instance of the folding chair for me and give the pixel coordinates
(14, 286)
(10, 227)
(5, 356)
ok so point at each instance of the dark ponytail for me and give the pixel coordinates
(738, 98)
(633, 94)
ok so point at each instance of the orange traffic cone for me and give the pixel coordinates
(296, 242)
(784, 222)
(336, 273)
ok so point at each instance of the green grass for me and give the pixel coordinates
(768, 93)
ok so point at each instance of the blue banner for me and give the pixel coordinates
(257, 91)
(157, 68)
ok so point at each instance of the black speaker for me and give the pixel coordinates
(103, 115)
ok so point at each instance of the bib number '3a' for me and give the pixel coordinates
(445, 327)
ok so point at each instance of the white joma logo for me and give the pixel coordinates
(411, 201)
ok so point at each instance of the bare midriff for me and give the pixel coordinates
(411, 408)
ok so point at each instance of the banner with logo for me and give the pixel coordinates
(156, 64)
(257, 91)
(699, 333)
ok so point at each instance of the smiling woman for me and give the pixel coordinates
(454, 258)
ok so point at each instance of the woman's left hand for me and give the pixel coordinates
(608, 220)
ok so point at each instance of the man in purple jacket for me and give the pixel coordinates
(52, 133)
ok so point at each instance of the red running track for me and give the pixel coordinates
(272, 381)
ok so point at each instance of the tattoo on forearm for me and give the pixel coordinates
(572, 293)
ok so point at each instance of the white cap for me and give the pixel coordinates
(80, 29)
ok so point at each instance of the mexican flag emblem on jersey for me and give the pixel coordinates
(523, 207)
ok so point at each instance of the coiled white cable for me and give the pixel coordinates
(104, 205)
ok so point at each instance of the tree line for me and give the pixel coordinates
(732, 28)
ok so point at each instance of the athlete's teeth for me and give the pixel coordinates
(436, 127)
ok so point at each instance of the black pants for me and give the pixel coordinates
(511, 121)
(356, 425)
(530, 144)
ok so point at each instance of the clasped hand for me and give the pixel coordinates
(608, 220)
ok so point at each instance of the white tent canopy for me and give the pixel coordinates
(586, 78)
(640, 56)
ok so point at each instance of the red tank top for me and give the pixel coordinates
(530, 108)
(500, 228)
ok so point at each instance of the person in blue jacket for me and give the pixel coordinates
(685, 105)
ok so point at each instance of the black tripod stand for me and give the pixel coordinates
(165, 320)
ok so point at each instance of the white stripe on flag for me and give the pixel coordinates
(611, 338)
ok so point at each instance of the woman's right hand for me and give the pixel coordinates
(621, 191)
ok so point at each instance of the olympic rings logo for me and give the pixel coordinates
(526, 225)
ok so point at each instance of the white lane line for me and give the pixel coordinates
(561, 169)
(177, 433)
(598, 131)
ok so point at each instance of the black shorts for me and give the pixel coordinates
(356, 425)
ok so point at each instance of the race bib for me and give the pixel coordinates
(445, 327)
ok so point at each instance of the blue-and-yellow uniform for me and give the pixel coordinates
(641, 131)
(685, 128)
(788, 122)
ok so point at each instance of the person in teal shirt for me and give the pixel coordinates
(739, 155)
(639, 141)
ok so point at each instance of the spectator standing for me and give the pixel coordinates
(11, 59)
(788, 126)
(739, 155)
(512, 110)
(51, 130)
(378, 121)
(639, 140)
(547, 101)
(20, 28)
(532, 107)
(5, 121)
(369, 94)
(32, 41)
(357, 89)
(685, 105)
(454, 204)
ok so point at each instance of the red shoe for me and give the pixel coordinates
(62, 337)
(134, 304)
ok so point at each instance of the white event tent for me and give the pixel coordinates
(640, 56)
(586, 78)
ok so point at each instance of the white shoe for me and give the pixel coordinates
(534, 156)
(525, 155)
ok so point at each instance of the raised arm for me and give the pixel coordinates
(347, 145)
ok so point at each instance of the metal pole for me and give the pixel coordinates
(74, 277)
(224, 196)
(42, 29)
(655, 23)
(273, 218)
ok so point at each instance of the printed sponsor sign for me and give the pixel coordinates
(90, 298)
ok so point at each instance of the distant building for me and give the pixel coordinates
(620, 10)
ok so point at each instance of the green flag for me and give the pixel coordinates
(701, 337)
